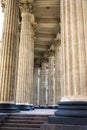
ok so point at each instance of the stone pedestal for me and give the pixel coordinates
(49, 126)
(8, 57)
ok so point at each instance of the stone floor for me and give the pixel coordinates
(39, 112)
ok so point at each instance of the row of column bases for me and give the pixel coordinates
(74, 66)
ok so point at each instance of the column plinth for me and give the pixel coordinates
(73, 105)
(8, 58)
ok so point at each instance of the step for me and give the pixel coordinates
(21, 115)
(28, 118)
(24, 125)
(16, 128)
(26, 121)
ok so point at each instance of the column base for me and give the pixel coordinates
(52, 107)
(42, 107)
(46, 107)
(32, 107)
(24, 107)
(74, 113)
(8, 108)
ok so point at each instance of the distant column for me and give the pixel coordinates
(8, 57)
(51, 82)
(40, 81)
(43, 83)
(32, 59)
(35, 86)
(58, 69)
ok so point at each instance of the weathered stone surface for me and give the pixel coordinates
(73, 34)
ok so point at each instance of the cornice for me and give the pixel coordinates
(37, 62)
(47, 3)
(51, 53)
(57, 40)
(44, 60)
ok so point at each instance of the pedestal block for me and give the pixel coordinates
(8, 108)
(71, 113)
(24, 107)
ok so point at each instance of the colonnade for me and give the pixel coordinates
(17, 60)
(68, 59)
(49, 91)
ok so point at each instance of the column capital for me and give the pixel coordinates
(44, 60)
(19, 27)
(37, 62)
(57, 42)
(3, 3)
(51, 53)
(34, 25)
(26, 7)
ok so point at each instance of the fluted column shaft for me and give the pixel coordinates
(57, 72)
(25, 63)
(51, 83)
(43, 84)
(8, 52)
(74, 47)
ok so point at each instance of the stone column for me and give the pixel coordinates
(39, 85)
(23, 97)
(43, 83)
(74, 49)
(58, 66)
(35, 86)
(51, 83)
(8, 57)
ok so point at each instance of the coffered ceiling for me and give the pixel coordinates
(47, 17)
